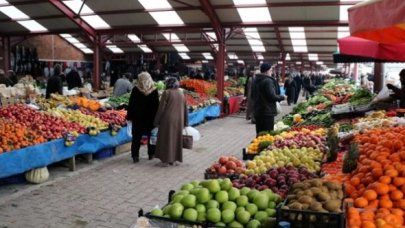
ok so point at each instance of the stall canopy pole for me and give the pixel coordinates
(6, 54)
(220, 65)
(96, 64)
(355, 72)
(378, 77)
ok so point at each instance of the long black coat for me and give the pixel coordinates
(54, 85)
(142, 110)
(290, 89)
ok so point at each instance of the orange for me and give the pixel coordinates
(368, 224)
(355, 181)
(399, 181)
(370, 195)
(385, 203)
(360, 202)
(396, 195)
(382, 189)
(385, 179)
(391, 173)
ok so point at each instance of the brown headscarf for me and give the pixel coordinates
(145, 83)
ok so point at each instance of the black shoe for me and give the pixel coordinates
(136, 160)
(151, 157)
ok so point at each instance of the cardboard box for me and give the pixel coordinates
(124, 148)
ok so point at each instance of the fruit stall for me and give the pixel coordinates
(315, 169)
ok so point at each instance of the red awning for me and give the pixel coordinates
(379, 20)
(372, 49)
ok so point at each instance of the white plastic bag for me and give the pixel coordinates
(193, 132)
(383, 95)
(278, 106)
(129, 128)
(153, 136)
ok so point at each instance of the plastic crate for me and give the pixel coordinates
(311, 219)
(104, 153)
(15, 179)
(246, 156)
(232, 176)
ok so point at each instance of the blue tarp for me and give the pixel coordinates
(199, 116)
(41, 155)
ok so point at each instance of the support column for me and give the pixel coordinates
(220, 65)
(6, 54)
(378, 77)
(355, 72)
(96, 66)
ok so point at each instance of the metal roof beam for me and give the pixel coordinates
(86, 28)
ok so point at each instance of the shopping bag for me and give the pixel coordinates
(278, 107)
(192, 132)
(129, 128)
(187, 140)
(153, 136)
(383, 95)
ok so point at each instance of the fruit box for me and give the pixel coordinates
(246, 156)
(104, 153)
(159, 221)
(311, 219)
(231, 176)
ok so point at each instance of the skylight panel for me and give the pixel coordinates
(33, 26)
(212, 36)
(3, 2)
(298, 39)
(313, 57)
(287, 57)
(300, 49)
(64, 35)
(13, 13)
(181, 48)
(171, 37)
(343, 14)
(72, 40)
(232, 56)
(259, 57)
(256, 14)
(134, 38)
(319, 63)
(184, 56)
(87, 50)
(343, 32)
(204, 61)
(280, 62)
(241, 62)
(79, 45)
(145, 48)
(258, 48)
(96, 22)
(299, 42)
(248, 2)
(115, 49)
(155, 4)
(76, 5)
(298, 63)
(167, 18)
(207, 55)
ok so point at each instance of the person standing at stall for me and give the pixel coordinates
(290, 89)
(298, 85)
(122, 85)
(248, 95)
(171, 119)
(73, 79)
(265, 93)
(142, 108)
(55, 83)
(399, 93)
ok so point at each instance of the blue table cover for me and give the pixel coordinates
(199, 116)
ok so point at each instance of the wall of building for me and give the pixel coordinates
(54, 47)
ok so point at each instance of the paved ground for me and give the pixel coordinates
(111, 192)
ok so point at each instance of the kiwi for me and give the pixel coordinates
(332, 185)
(333, 194)
(340, 194)
(315, 183)
(333, 205)
(296, 206)
(291, 197)
(298, 185)
(308, 192)
(323, 197)
(316, 206)
(315, 190)
(305, 206)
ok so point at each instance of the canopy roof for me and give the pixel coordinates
(302, 31)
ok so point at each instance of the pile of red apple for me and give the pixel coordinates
(111, 117)
(278, 180)
(301, 140)
(49, 126)
(226, 165)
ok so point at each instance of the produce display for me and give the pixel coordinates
(86, 103)
(216, 202)
(46, 125)
(198, 86)
(110, 116)
(124, 99)
(278, 180)
(78, 117)
(55, 101)
(302, 157)
(226, 165)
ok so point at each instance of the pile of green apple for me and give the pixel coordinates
(302, 157)
(218, 203)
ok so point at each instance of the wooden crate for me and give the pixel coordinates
(123, 148)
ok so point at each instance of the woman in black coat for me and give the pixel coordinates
(143, 105)
(290, 89)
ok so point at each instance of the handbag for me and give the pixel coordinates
(187, 141)
(278, 107)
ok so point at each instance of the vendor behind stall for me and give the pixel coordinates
(399, 93)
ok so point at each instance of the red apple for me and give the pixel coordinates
(231, 165)
(222, 170)
(223, 160)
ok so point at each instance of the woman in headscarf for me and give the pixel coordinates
(142, 108)
(171, 118)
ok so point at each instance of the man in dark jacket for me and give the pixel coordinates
(55, 84)
(265, 93)
(399, 93)
(298, 84)
(73, 79)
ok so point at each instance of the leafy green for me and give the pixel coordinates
(317, 100)
(124, 99)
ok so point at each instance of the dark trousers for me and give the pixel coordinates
(291, 97)
(297, 95)
(136, 143)
(264, 123)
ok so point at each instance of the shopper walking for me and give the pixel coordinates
(171, 119)
(265, 93)
(55, 83)
(122, 85)
(290, 89)
(298, 86)
(142, 108)
(248, 95)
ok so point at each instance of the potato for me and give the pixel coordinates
(340, 194)
(291, 197)
(315, 182)
(332, 185)
(333, 205)
(298, 185)
(316, 206)
(323, 197)
(305, 206)
(296, 206)
(305, 199)
(315, 190)
(308, 192)
(333, 194)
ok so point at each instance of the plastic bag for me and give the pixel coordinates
(383, 95)
(278, 106)
(129, 128)
(193, 132)
(153, 136)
